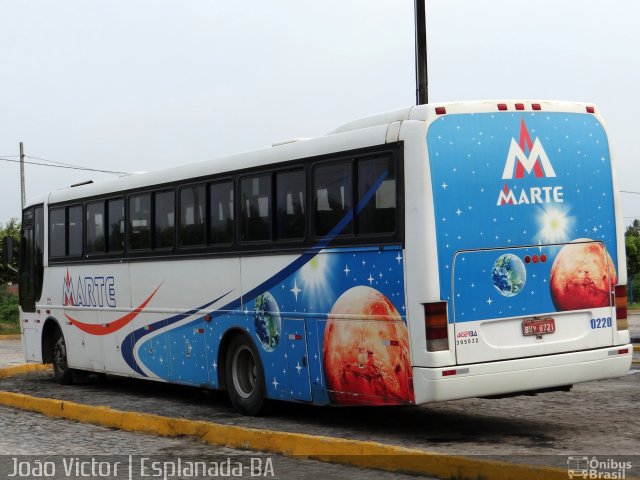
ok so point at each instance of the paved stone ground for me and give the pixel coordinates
(42, 438)
(596, 418)
(11, 353)
(25, 433)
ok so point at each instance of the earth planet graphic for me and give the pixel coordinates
(509, 275)
(366, 351)
(582, 276)
(267, 321)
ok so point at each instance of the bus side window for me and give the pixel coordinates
(333, 197)
(95, 228)
(57, 232)
(290, 212)
(164, 228)
(379, 214)
(221, 213)
(193, 202)
(255, 208)
(140, 222)
(75, 230)
(115, 211)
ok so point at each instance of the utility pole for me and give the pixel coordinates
(22, 190)
(422, 90)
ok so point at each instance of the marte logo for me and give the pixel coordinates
(89, 291)
(519, 162)
(537, 162)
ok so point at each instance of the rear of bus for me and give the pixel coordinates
(531, 267)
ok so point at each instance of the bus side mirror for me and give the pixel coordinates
(7, 250)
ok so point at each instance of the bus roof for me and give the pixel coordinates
(350, 136)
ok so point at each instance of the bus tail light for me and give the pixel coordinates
(436, 326)
(621, 307)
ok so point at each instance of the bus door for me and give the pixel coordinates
(295, 335)
(529, 301)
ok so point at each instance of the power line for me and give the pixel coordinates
(67, 166)
(629, 191)
(53, 161)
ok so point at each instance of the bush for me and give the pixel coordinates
(633, 289)
(9, 317)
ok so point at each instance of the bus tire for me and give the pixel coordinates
(245, 377)
(61, 371)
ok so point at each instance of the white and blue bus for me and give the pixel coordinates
(432, 253)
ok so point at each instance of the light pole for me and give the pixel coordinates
(422, 90)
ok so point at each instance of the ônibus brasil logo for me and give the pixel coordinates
(536, 163)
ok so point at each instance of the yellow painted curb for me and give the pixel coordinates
(24, 368)
(335, 450)
(15, 336)
(636, 348)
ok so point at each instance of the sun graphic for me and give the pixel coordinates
(555, 225)
(314, 278)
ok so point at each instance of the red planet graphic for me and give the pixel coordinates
(366, 351)
(582, 276)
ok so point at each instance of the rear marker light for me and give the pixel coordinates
(436, 326)
(536, 106)
(502, 106)
(459, 371)
(441, 110)
(591, 109)
(620, 302)
(620, 351)
(535, 259)
(527, 259)
(519, 106)
(543, 258)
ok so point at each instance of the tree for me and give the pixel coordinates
(10, 229)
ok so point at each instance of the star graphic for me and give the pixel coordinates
(295, 290)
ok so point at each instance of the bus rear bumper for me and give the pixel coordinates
(519, 375)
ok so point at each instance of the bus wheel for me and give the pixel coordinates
(61, 371)
(245, 377)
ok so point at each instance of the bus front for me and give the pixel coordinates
(529, 290)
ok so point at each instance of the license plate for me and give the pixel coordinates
(538, 326)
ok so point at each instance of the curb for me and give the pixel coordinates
(15, 336)
(363, 454)
(23, 368)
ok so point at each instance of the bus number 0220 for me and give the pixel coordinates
(601, 322)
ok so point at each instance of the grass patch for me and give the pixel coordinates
(7, 328)
(9, 317)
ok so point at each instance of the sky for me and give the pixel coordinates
(137, 86)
